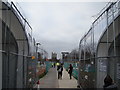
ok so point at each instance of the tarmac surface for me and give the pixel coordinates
(50, 80)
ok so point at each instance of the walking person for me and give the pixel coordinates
(54, 65)
(108, 83)
(57, 64)
(70, 71)
(60, 69)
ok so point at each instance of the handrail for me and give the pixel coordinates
(2, 51)
(17, 11)
(21, 15)
(106, 8)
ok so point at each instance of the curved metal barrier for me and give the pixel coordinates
(48, 65)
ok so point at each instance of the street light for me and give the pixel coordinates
(37, 45)
(37, 49)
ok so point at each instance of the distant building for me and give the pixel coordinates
(73, 56)
(40, 56)
(54, 56)
(65, 56)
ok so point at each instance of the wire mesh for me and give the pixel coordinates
(99, 45)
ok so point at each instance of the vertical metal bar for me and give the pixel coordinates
(9, 46)
(114, 31)
(93, 52)
(114, 41)
(1, 54)
(107, 30)
(24, 57)
(75, 55)
(93, 38)
(84, 58)
(15, 85)
(107, 40)
(36, 79)
(4, 47)
(84, 51)
(79, 63)
(26, 71)
(90, 46)
(94, 55)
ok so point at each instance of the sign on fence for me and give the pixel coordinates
(118, 70)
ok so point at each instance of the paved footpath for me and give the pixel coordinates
(66, 82)
(50, 80)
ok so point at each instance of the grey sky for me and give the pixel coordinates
(59, 26)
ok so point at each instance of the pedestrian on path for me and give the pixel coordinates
(54, 65)
(70, 71)
(57, 64)
(38, 84)
(108, 83)
(61, 66)
(60, 69)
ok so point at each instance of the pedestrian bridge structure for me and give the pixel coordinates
(99, 52)
(100, 48)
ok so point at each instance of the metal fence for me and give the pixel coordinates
(48, 65)
(18, 73)
(18, 69)
(98, 45)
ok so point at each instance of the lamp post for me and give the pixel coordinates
(37, 49)
(37, 45)
(46, 54)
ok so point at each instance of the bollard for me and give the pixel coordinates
(38, 85)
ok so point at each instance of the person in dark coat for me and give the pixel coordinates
(60, 69)
(54, 65)
(70, 71)
(108, 83)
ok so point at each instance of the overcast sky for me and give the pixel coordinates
(59, 26)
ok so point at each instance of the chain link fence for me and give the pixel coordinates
(99, 49)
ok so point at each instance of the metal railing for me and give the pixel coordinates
(88, 45)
